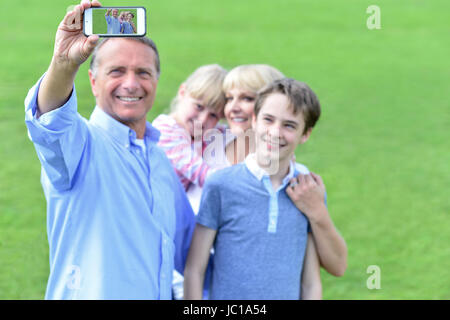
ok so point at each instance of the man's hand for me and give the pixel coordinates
(72, 47)
(307, 192)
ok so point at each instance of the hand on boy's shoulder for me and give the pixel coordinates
(307, 192)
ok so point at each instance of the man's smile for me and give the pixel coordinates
(128, 98)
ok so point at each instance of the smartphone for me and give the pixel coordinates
(115, 21)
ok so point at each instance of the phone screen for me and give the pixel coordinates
(115, 21)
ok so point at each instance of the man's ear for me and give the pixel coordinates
(92, 81)
(306, 136)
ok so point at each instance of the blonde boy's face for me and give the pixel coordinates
(278, 130)
(194, 116)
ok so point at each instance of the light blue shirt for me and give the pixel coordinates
(254, 259)
(118, 220)
(112, 25)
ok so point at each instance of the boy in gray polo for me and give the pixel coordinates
(263, 245)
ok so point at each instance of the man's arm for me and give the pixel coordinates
(308, 195)
(197, 261)
(311, 283)
(185, 222)
(72, 48)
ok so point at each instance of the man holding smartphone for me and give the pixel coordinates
(112, 22)
(117, 216)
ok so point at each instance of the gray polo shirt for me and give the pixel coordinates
(261, 235)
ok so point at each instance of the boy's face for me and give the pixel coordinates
(278, 130)
(115, 13)
(193, 115)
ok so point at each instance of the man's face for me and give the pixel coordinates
(278, 130)
(115, 12)
(125, 82)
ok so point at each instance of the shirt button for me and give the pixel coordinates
(127, 146)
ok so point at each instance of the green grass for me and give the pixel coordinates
(381, 144)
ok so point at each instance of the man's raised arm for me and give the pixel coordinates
(72, 48)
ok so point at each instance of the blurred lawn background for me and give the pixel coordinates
(381, 145)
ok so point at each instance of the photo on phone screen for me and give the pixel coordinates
(115, 21)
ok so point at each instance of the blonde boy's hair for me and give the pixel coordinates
(205, 84)
(251, 77)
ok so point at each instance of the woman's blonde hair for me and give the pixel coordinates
(205, 84)
(251, 77)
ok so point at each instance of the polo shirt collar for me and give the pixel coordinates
(260, 173)
(120, 132)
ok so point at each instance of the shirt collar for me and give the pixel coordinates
(120, 132)
(260, 173)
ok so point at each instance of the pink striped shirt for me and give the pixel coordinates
(185, 155)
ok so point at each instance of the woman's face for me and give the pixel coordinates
(238, 110)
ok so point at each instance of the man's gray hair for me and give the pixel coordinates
(147, 41)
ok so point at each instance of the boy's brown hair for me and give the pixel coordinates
(300, 96)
